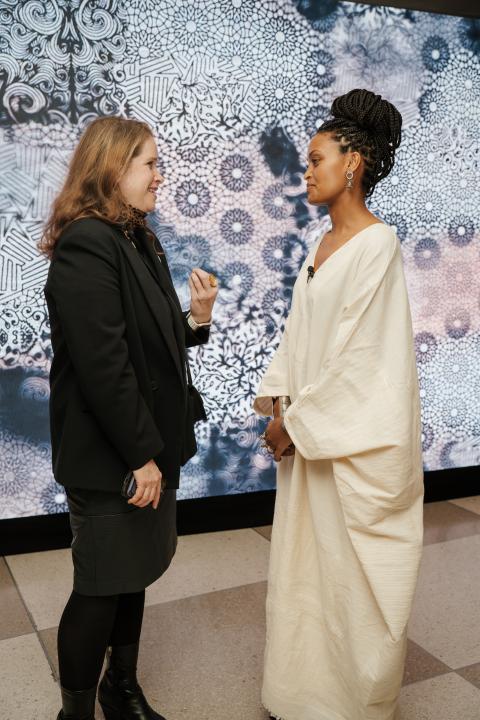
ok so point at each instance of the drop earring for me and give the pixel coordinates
(349, 176)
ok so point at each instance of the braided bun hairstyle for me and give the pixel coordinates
(368, 124)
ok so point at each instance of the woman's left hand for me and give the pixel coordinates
(276, 438)
(203, 295)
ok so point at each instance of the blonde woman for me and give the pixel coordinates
(119, 405)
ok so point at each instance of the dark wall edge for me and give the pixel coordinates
(460, 8)
(211, 514)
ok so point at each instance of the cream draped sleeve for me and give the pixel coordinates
(354, 487)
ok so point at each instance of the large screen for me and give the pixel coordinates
(234, 90)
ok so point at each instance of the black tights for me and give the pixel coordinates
(88, 626)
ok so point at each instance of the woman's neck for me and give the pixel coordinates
(347, 212)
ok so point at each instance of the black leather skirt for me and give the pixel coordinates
(117, 547)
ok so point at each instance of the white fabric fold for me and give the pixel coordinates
(347, 533)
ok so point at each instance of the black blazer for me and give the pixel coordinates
(118, 386)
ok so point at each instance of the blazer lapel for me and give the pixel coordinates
(162, 273)
(150, 288)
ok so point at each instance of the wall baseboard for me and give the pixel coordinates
(451, 484)
(211, 514)
(461, 8)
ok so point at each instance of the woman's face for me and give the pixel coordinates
(326, 171)
(139, 183)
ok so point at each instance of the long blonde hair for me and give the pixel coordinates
(91, 188)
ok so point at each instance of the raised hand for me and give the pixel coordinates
(203, 295)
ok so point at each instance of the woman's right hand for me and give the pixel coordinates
(149, 485)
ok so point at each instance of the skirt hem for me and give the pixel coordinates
(92, 589)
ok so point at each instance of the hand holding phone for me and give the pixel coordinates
(144, 486)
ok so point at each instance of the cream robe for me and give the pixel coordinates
(347, 532)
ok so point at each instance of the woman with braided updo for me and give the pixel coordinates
(343, 390)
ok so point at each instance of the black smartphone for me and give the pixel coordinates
(129, 487)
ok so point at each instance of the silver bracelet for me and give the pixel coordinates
(283, 404)
(193, 323)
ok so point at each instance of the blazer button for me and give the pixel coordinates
(154, 384)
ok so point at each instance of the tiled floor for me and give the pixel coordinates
(204, 626)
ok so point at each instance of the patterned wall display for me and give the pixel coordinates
(234, 89)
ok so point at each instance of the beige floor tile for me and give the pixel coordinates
(447, 697)
(446, 612)
(202, 657)
(469, 503)
(14, 618)
(212, 561)
(203, 563)
(44, 580)
(420, 665)
(471, 673)
(265, 530)
(27, 688)
(445, 521)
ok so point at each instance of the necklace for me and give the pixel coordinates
(127, 235)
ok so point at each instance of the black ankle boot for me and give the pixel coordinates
(119, 693)
(78, 704)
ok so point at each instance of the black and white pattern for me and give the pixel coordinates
(234, 89)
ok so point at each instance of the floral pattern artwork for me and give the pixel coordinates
(233, 90)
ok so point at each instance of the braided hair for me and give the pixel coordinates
(366, 123)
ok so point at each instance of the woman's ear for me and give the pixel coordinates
(354, 161)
